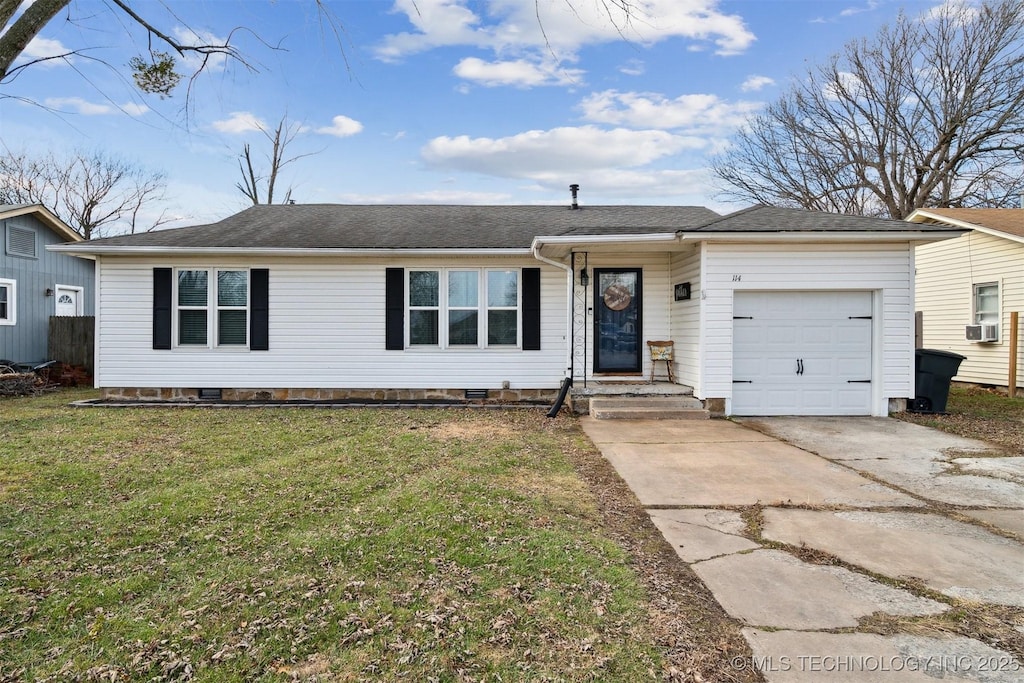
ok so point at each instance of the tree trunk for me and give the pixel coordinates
(20, 34)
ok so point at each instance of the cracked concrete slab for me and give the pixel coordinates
(741, 473)
(1008, 520)
(955, 558)
(915, 458)
(1010, 469)
(771, 588)
(700, 534)
(799, 656)
(669, 431)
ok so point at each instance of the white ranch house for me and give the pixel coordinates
(770, 311)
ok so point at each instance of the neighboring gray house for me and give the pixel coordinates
(36, 283)
(771, 311)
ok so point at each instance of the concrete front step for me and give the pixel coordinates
(648, 408)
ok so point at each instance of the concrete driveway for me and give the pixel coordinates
(815, 531)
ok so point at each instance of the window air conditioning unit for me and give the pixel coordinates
(982, 333)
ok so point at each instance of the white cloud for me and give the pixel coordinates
(43, 48)
(520, 73)
(540, 153)
(851, 11)
(509, 26)
(755, 83)
(962, 11)
(209, 62)
(605, 184)
(428, 197)
(633, 67)
(696, 114)
(341, 127)
(86, 108)
(239, 122)
(133, 109)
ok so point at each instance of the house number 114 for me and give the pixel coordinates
(737, 278)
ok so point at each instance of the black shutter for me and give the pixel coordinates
(259, 309)
(531, 309)
(162, 288)
(394, 309)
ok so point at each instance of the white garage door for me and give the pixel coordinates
(802, 353)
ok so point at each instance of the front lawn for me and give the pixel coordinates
(979, 413)
(317, 544)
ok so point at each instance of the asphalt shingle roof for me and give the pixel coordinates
(775, 219)
(1010, 221)
(404, 226)
(341, 226)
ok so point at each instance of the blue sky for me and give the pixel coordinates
(434, 101)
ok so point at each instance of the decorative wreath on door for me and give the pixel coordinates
(617, 297)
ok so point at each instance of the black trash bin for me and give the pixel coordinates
(935, 370)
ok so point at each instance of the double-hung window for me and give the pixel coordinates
(460, 308)
(8, 302)
(986, 303)
(212, 307)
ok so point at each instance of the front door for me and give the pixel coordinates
(69, 301)
(617, 320)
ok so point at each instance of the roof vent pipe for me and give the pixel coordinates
(574, 188)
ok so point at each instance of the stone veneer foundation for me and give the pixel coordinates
(496, 396)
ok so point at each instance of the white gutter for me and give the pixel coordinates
(85, 248)
(821, 236)
(569, 303)
(607, 239)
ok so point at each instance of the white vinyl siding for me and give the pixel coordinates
(327, 329)
(947, 273)
(885, 270)
(686, 319)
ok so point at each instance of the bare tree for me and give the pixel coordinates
(259, 184)
(157, 71)
(96, 194)
(930, 112)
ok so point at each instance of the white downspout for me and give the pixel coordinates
(535, 249)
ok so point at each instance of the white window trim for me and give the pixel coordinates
(481, 308)
(974, 301)
(79, 302)
(976, 313)
(211, 308)
(12, 302)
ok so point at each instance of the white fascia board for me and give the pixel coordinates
(583, 240)
(822, 237)
(86, 249)
(563, 244)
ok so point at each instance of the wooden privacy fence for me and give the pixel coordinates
(72, 340)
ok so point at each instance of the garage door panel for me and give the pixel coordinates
(827, 335)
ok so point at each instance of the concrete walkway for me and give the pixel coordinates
(751, 505)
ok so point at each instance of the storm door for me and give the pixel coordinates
(617, 320)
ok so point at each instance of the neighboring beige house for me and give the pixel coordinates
(966, 289)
